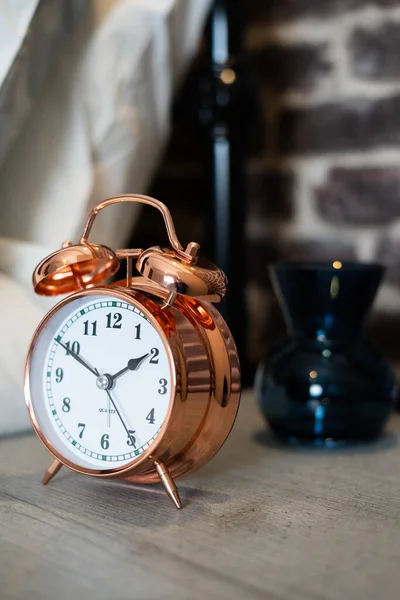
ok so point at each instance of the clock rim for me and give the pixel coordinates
(150, 454)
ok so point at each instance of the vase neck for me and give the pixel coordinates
(324, 303)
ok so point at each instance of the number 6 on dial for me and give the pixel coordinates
(139, 379)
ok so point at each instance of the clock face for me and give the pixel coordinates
(100, 381)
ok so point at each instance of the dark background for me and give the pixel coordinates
(315, 113)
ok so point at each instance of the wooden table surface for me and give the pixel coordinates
(260, 521)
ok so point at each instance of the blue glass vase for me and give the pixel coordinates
(325, 383)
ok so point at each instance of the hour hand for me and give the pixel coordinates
(77, 357)
(133, 365)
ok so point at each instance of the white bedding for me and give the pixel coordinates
(97, 128)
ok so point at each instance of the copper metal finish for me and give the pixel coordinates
(128, 254)
(169, 224)
(142, 284)
(168, 483)
(170, 300)
(82, 266)
(51, 471)
(74, 268)
(205, 385)
(174, 294)
(212, 350)
(193, 249)
(202, 280)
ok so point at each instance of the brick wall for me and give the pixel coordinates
(326, 183)
(325, 180)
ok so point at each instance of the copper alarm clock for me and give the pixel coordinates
(139, 378)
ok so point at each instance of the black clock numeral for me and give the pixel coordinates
(105, 444)
(59, 375)
(66, 405)
(82, 427)
(137, 332)
(163, 389)
(131, 441)
(154, 353)
(75, 347)
(94, 328)
(150, 417)
(117, 321)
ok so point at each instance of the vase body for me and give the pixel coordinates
(325, 383)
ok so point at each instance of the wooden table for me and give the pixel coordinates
(260, 521)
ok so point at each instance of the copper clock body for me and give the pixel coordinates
(206, 385)
(174, 294)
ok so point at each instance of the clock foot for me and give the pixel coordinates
(51, 471)
(168, 483)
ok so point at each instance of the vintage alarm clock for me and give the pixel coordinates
(137, 379)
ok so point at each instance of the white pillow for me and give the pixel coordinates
(19, 317)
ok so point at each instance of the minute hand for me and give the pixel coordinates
(77, 357)
(120, 418)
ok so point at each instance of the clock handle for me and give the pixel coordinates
(189, 255)
(80, 266)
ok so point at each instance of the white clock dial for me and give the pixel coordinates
(100, 382)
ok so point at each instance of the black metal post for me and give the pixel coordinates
(228, 104)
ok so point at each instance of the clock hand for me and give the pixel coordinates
(77, 357)
(108, 412)
(94, 371)
(133, 365)
(120, 418)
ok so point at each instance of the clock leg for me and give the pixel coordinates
(168, 483)
(51, 471)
